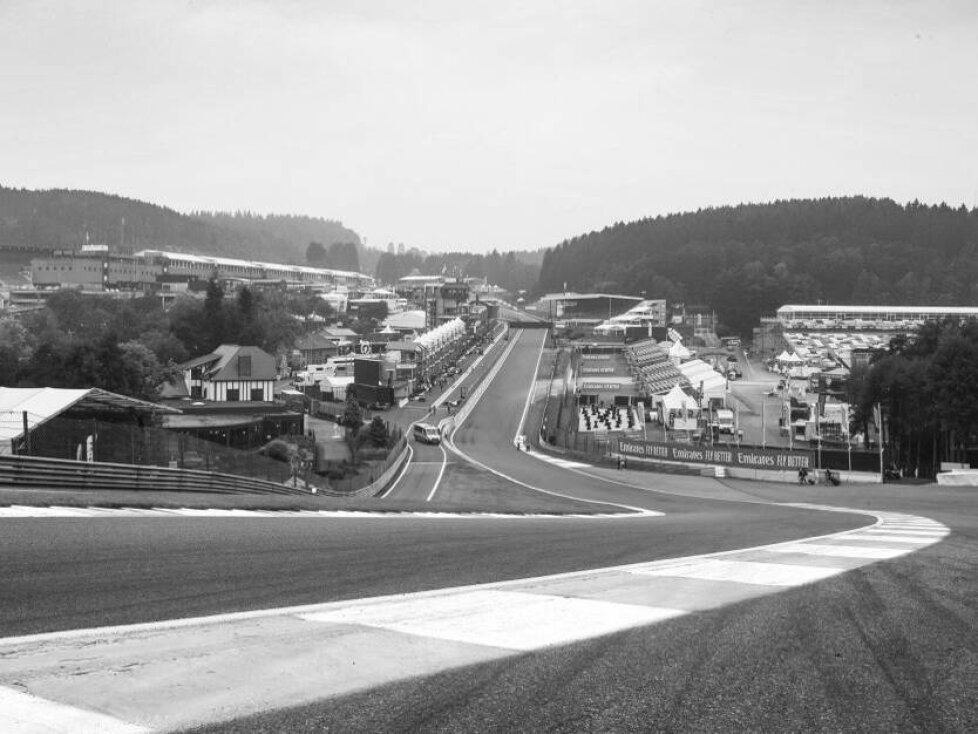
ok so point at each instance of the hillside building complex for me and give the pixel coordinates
(885, 318)
(95, 268)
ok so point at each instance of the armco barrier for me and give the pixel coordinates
(32, 472)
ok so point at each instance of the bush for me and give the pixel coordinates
(374, 453)
(278, 450)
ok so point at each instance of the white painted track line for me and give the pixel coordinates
(505, 619)
(22, 713)
(841, 551)
(746, 572)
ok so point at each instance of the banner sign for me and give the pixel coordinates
(597, 356)
(600, 386)
(598, 370)
(745, 458)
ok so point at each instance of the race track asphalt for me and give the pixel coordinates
(891, 646)
(71, 573)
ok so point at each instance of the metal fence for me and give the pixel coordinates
(40, 473)
(99, 441)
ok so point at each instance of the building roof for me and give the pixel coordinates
(338, 332)
(235, 263)
(587, 296)
(896, 310)
(411, 279)
(41, 404)
(223, 362)
(315, 341)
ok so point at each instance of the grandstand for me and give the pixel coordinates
(882, 318)
(652, 368)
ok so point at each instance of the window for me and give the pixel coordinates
(258, 394)
(234, 395)
(244, 366)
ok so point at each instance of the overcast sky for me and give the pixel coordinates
(472, 125)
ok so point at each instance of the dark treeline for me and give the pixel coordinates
(926, 387)
(513, 271)
(338, 256)
(61, 218)
(285, 234)
(747, 260)
(132, 346)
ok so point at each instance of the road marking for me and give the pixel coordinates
(441, 473)
(557, 461)
(507, 619)
(530, 392)
(842, 551)
(745, 572)
(187, 512)
(881, 537)
(402, 473)
(22, 713)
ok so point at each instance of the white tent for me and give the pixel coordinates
(703, 377)
(679, 411)
(677, 399)
(678, 351)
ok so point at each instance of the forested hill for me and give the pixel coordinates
(291, 233)
(747, 260)
(61, 219)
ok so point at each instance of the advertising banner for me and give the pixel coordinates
(744, 458)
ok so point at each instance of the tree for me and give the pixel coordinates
(140, 373)
(344, 256)
(16, 349)
(352, 417)
(316, 254)
(377, 432)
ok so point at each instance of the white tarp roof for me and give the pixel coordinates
(413, 320)
(43, 403)
(713, 384)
